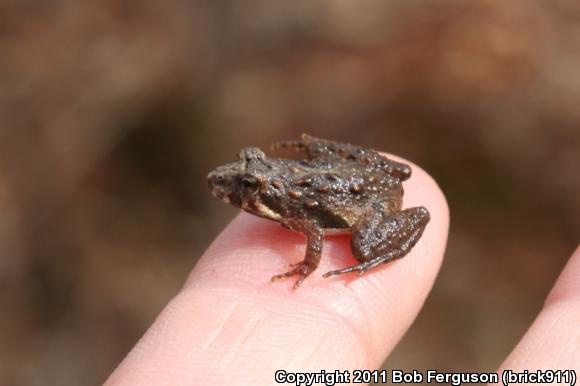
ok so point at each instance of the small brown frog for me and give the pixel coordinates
(338, 187)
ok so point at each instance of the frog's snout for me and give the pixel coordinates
(215, 183)
(224, 188)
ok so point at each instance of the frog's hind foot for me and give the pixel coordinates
(360, 268)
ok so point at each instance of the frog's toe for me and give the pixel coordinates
(359, 267)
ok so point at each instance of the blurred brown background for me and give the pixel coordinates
(112, 113)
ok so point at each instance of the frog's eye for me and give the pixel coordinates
(249, 184)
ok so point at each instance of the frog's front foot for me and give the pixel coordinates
(303, 269)
(314, 233)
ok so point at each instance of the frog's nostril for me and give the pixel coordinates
(213, 179)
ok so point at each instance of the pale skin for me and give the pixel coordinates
(229, 320)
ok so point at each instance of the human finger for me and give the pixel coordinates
(553, 340)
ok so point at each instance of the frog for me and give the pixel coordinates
(336, 188)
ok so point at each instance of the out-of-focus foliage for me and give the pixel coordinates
(111, 114)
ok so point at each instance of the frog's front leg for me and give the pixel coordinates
(314, 234)
(379, 236)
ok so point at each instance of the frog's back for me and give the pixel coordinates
(334, 192)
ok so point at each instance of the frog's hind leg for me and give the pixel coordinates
(295, 145)
(314, 234)
(317, 148)
(302, 144)
(379, 237)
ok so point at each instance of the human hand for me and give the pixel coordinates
(230, 325)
